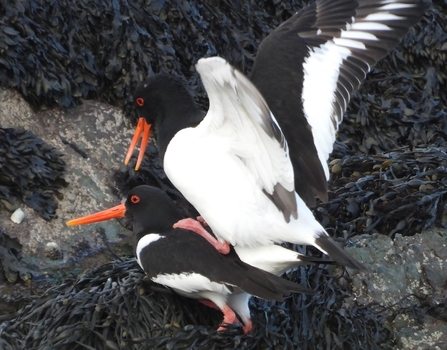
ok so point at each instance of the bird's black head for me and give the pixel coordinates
(150, 209)
(160, 95)
(166, 104)
(149, 97)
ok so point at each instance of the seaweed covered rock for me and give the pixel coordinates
(60, 42)
(11, 266)
(31, 170)
(15, 275)
(406, 281)
(114, 307)
(72, 61)
(388, 176)
(400, 191)
(87, 136)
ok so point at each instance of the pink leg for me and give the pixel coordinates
(209, 303)
(229, 318)
(195, 226)
(247, 327)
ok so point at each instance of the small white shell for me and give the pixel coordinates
(18, 216)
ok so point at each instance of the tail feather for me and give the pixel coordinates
(283, 287)
(265, 285)
(313, 260)
(336, 252)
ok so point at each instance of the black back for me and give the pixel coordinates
(181, 251)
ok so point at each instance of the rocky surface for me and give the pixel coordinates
(406, 278)
(406, 275)
(399, 303)
(93, 138)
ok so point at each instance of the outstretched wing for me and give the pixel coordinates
(237, 107)
(308, 68)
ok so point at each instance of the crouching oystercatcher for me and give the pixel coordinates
(185, 262)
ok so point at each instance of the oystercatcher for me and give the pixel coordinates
(233, 163)
(186, 263)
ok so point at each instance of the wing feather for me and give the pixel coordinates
(308, 68)
(237, 107)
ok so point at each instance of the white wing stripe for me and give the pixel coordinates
(393, 6)
(350, 43)
(383, 17)
(322, 103)
(368, 26)
(320, 81)
(358, 35)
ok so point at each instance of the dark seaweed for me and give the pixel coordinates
(115, 307)
(31, 170)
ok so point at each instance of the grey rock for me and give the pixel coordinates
(53, 251)
(406, 277)
(102, 134)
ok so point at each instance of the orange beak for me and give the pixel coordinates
(116, 212)
(142, 128)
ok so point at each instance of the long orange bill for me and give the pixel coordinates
(142, 128)
(116, 212)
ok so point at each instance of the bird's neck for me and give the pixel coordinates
(162, 222)
(177, 116)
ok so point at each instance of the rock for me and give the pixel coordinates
(426, 333)
(18, 216)
(406, 277)
(53, 251)
(93, 138)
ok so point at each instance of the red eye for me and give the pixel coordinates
(135, 199)
(140, 101)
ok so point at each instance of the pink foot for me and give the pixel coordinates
(229, 318)
(195, 226)
(202, 221)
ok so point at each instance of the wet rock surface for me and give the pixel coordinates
(388, 181)
(406, 277)
(92, 148)
(32, 171)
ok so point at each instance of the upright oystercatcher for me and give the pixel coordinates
(233, 163)
(187, 263)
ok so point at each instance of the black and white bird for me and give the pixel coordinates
(187, 263)
(233, 163)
